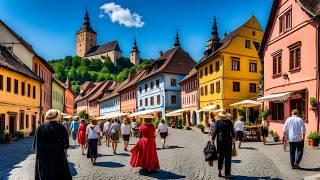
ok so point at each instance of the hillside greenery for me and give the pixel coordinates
(80, 70)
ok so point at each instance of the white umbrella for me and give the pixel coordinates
(246, 104)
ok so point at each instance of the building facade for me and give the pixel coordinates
(58, 90)
(19, 95)
(69, 97)
(189, 97)
(230, 70)
(290, 53)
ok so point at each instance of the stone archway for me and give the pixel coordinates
(193, 118)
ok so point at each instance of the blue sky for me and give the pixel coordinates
(50, 26)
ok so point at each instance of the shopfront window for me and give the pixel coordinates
(298, 101)
(277, 111)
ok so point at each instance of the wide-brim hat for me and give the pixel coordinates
(53, 115)
(224, 115)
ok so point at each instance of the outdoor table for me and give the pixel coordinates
(252, 133)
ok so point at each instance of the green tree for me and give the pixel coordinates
(76, 61)
(72, 73)
(104, 70)
(68, 61)
(95, 65)
(85, 62)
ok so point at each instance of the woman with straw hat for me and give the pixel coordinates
(144, 153)
(93, 134)
(225, 140)
(50, 144)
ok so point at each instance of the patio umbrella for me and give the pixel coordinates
(246, 104)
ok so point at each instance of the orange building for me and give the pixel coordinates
(69, 96)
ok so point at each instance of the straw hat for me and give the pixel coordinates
(53, 115)
(224, 114)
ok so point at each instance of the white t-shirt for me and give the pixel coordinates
(162, 128)
(294, 127)
(106, 126)
(93, 132)
(134, 124)
(239, 125)
(125, 129)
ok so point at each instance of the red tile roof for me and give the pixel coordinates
(105, 87)
(192, 73)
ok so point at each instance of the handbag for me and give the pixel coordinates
(210, 152)
(234, 151)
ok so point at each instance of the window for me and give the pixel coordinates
(206, 90)
(211, 68)
(201, 73)
(22, 88)
(285, 22)
(295, 57)
(152, 101)
(157, 83)
(27, 121)
(140, 102)
(8, 84)
(277, 64)
(173, 82)
(146, 102)
(145, 87)
(235, 65)
(248, 44)
(36, 69)
(236, 86)
(252, 67)
(256, 45)
(212, 88)
(253, 33)
(1, 82)
(151, 85)
(2, 121)
(253, 88)
(217, 66)
(173, 99)
(140, 89)
(201, 91)
(158, 99)
(16, 86)
(277, 110)
(21, 120)
(205, 71)
(218, 86)
(29, 89)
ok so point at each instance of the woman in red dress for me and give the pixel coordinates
(82, 135)
(144, 153)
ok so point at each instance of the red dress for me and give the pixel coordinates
(82, 134)
(144, 153)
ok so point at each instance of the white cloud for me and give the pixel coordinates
(121, 15)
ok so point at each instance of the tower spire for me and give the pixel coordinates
(177, 41)
(86, 19)
(135, 47)
(214, 32)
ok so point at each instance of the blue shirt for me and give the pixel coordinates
(74, 126)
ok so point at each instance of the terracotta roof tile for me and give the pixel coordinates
(99, 49)
(311, 6)
(105, 87)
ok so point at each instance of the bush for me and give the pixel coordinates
(187, 127)
(275, 134)
(314, 136)
(265, 113)
(19, 134)
(82, 114)
(242, 112)
(156, 123)
(2, 135)
(199, 126)
(313, 102)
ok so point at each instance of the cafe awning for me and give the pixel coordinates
(112, 115)
(275, 97)
(208, 108)
(177, 112)
(144, 112)
(246, 103)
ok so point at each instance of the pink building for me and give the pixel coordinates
(290, 53)
(189, 96)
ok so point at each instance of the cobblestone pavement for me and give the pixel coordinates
(182, 159)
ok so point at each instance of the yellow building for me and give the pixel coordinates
(58, 94)
(19, 95)
(230, 70)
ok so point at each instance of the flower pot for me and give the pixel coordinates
(276, 139)
(314, 108)
(202, 130)
(313, 143)
(8, 139)
(179, 126)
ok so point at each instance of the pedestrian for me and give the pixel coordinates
(264, 131)
(50, 145)
(106, 130)
(225, 142)
(212, 124)
(239, 128)
(66, 124)
(74, 129)
(295, 129)
(144, 153)
(163, 130)
(82, 135)
(115, 134)
(125, 131)
(100, 124)
(93, 134)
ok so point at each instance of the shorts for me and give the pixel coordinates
(74, 135)
(114, 136)
(163, 135)
(126, 137)
(239, 135)
(264, 132)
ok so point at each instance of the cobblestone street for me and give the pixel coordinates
(183, 159)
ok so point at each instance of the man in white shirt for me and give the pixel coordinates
(294, 129)
(239, 127)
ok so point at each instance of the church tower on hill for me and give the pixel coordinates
(86, 37)
(135, 54)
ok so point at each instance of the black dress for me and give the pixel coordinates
(50, 141)
(224, 133)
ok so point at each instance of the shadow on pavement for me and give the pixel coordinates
(236, 161)
(309, 169)
(171, 147)
(102, 155)
(110, 164)
(123, 154)
(249, 148)
(273, 143)
(161, 174)
(254, 177)
(72, 169)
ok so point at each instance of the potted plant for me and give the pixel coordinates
(275, 137)
(313, 139)
(19, 134)
(264, 114)
(313, 103)
(7, 138)
(180, 122)
(187, 127)
(201, 127)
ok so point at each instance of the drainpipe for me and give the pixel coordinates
(40, 114)
(317, 68)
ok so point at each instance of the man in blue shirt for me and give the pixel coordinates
(74, 129)
(295, 130)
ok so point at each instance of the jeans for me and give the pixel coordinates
(296, 152)
(227, 158)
